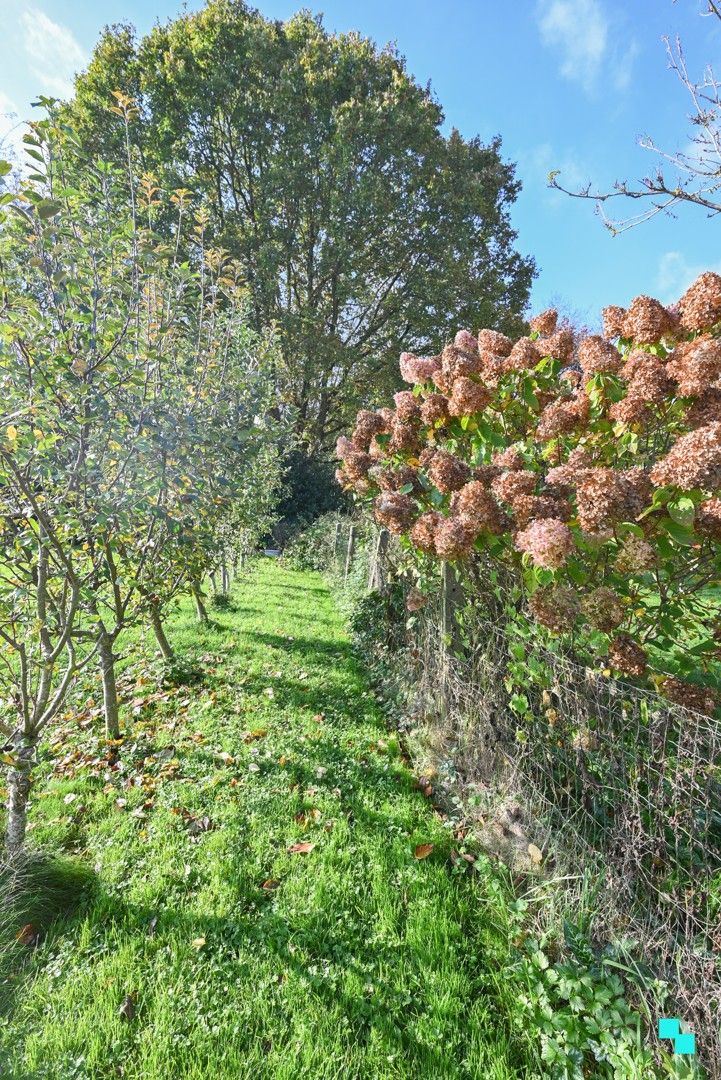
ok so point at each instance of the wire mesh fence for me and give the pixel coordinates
(586, 771)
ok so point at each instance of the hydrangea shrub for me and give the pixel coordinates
(590, 467)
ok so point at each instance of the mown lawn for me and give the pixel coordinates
(204, 946)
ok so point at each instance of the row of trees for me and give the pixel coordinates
(138, 450)
(583, 475)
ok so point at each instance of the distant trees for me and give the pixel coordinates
(358, 227)
(136, 420)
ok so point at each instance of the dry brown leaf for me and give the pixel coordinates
(301, 849)
(423, 851)
(536, 854)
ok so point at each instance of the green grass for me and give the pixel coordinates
(356, 960)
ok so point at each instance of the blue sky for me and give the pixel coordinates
(568, 84)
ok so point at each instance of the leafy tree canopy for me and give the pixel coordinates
(362, 230)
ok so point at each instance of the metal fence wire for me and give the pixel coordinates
(596, 773)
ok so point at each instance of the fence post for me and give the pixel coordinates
(451, 601)
(336, 542)
(350, 551)
(376, 570)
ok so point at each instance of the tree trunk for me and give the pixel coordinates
(110, 690)
(199, 605)
(214, 584)
(224, 580)
(164, 645)
(19, 790)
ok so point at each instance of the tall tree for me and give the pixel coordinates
(362, 230)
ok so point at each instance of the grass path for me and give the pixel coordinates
(235, 956)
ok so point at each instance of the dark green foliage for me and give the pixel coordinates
(310, 491)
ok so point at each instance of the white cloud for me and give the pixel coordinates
(54, 54)
(580, 32)
(676, 273)
(12, 129)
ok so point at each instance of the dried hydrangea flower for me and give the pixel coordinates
(555, 607)
(694, 461)
(493, 368)
(390, 479)
(571, 377)
(545, 323)
(394, 511)
(404, 439)
(447, 472)
(434, 408)
(443, 381)
(523, 355)
(510, 458)
(407, 406)
(605, 496)
(367, 424)
(548, 542)
(700, 306)
(558, 418)
(646, 321)
(486, 473)
(466, 342)
(455, 362)
(426, 455)
(708, 518)
(691, 696)
(627, 657)
(528, 508)
(342, 479)
(415, 599)
(635, 556)
(423, 532)
(418, 369)
(356, 464)
(630, 410)
(613, 317)
(475, 503)
(706, 409)
(559, 345)
(596, 355)
(468, 397)
(345, 446)
(376, 451)
(510, 485)
(455, 538)
(491, 341)
(695, 365)
(603, 609)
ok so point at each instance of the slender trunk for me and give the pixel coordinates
(199, 605)
(110, 690)
(224, 581)
(19, 789)
(235, 567)
(164, 645)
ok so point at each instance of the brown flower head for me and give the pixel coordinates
(630, 410)
(510, 458)
(523, 355)
(404, 438)
(394, 511)
(356, 464)
(646, 321)
(468, 397)
(559, 345)
(548, 542)
(345, 446)
(475, 503)
(486, 473)
(407, 407)
(603, 609)
(695, 365)
(528, 508)
(418, 369)
(423, 533)
(443, 381)
(415, 599)
(635, 556)
(605, 496)
(555, 607)
(558, 418)
(448, 472)
(627, 657)
(466, 342)
(708, 519)
(455, 362)
(700, 306)
(613, 317)
(694, 461)
(490, 341)
(434, 408)
(492, 368)
(595, 355)
(455, 538)
(342, 479)
(510, 485)
(706, 409)
(690, 695)
(545, 323)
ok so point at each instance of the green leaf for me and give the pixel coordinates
(678, 532)
(47, 208)
(5, 167)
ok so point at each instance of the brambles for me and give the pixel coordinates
(590, 468)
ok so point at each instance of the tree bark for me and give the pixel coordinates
(110, 690)
(224, 580)
(199, 605)
(19, 783)
(164, 645)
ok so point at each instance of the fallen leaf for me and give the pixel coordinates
(127, 1009)
(198, 942)
(301, 849)
(536, 854)
(253, 767)
(270, 884)
(423, 851)
(70, 798)
(152, 925)
(29, 935)
(320, 772)
(319, 718)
